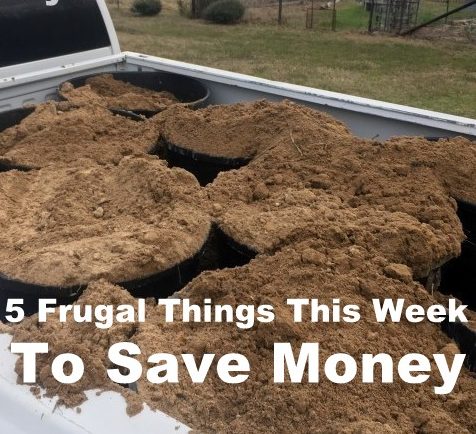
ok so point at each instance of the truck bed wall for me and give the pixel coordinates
(366, 118)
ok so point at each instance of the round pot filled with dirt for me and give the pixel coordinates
(267, 224)
(139, 224)
(143, 93)
(409, 183)
(59, 134)
(219, 138)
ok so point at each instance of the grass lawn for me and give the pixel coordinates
(433, 75)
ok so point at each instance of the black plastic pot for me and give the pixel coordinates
(128, 114)
(467, 215)
(31, 293)
(231, 253)
(13, 117)
(458, 276)
(160, 285)
(458, 279)
(465, 339)
(9, 119)
(6, 167)
(187, 90)
(205, 167)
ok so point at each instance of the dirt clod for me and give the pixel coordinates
(399, 271)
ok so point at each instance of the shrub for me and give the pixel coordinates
(224, 11)
(146, 7)
(193, 8)
(201, 5)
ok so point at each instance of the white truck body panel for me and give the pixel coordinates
(22, 413)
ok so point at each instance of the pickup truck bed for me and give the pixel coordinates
(35, 81)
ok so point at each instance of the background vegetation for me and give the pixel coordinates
(437, 74)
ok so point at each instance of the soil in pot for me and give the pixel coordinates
(111, 93)
(393, 175)
(352, 274)
(63, 227)
(144, 93)
(451, 159)
(270, 222)
(56, 133)
(218, 138)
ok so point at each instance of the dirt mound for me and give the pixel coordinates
(414, 177)
(336, 217)
(90, 343)
(351, 274)
(116, 94)
(244, 130)
(69, 226)
(56, 133)
(451, 160)
(271, 221)
(398, 175)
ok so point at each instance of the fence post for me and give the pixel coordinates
(312, 14)
(334, 15)
(371, 16)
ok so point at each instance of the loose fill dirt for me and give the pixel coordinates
(64, 227)
(416, 179)
(243, 130)
(311, 270)
(334, 216)
(452, 161)
(117, 94)
(56, 133)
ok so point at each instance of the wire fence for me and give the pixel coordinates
(394, 16)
